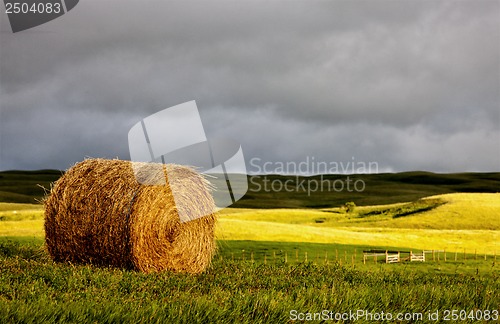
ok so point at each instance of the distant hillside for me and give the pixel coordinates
(26, 186)
(278, 191)
(379, 189)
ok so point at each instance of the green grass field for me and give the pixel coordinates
(33, 289)
(274, 265)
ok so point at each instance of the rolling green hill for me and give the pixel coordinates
(379, 189)
(279, 191)
(26, 186)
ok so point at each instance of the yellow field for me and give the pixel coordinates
(466, 221)
(484, 241)
(21, 220)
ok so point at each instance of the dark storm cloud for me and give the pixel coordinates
(409, 84)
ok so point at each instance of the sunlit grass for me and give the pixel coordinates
(17, 207)
(22, 228)
(485, 241)
(468, 221)
(21, 219)
(462, 211)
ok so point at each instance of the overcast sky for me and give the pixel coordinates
(411, 85)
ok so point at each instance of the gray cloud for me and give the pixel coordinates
(409, 84)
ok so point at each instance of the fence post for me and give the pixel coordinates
(286, 257)
(444, 255)
(456, 253)
(274, 257)
(232, 256)
(386, 257)
(251, 256)
(364, 258)
(305, 256)
(326, 257)
(438, 256)
(352, 257)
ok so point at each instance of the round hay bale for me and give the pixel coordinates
(98, 213)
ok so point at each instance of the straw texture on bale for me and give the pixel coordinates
(98, 213)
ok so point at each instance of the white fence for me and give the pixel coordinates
(417, 257)
(395, 256)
